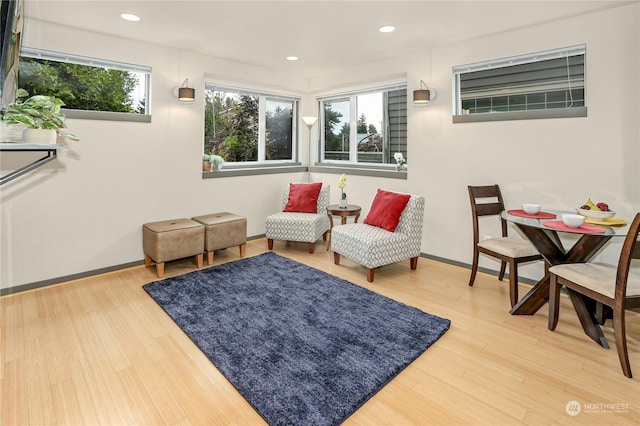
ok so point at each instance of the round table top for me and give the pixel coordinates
(609, 231)
(336, 210)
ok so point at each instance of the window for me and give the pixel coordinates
(90, 88)
(248, 127)
(365, 127)
(540, 85)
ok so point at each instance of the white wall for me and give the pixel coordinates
(83, 212)
(558, 163)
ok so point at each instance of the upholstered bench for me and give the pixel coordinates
(223, 230)
(171, 240)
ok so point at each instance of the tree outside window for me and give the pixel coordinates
(249, 127)
(365, 127)
(82, 85)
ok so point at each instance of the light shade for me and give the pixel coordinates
(424, 95)
(309, 121)
(421, 96)
(186, 94)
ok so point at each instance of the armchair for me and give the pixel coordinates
(374, 246)
(303, 217)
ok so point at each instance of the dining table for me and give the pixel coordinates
(544, 229)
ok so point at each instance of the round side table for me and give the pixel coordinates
(334, 210)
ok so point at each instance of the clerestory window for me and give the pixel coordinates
(90, 88)
(539, 85)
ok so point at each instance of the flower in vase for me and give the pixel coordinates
(399, 158)
(342, 182)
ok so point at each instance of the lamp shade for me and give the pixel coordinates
(309, 120)
(186, 94)
(421, 96)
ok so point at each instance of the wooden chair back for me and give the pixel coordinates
(630, 250)
(486, 201)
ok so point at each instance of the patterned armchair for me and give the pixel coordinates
(372, 246)
(297, 226)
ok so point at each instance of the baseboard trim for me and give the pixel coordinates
(80, 275)
(522, 280)
(58, 280)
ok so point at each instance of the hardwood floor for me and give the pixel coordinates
(101, 351)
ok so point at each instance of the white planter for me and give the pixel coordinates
(39, 136)
(343, 203)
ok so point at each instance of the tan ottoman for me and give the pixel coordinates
(223, 230)
(171, 240)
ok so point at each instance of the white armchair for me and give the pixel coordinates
(373, 246)
(299, 226)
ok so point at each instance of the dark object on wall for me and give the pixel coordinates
(10, 42)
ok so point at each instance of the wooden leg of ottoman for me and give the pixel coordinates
(160, 269)
(210, 258)
(147, 261)
(243, 249)
(199, 260)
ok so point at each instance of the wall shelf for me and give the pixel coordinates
(50, 153)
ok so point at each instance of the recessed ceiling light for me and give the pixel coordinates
(387, 29)
(130, 17)
(292, 58)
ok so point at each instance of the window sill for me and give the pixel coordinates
(522, 115)
(106, 115)
(352, 169)
(232, 171)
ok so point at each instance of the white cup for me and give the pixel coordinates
(531, 208)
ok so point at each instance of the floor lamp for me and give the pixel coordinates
(309, 121)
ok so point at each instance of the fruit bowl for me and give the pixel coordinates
(594, 214)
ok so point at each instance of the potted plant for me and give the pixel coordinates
(211, 162)
(40, 114)
(216, 162)
(206, 162)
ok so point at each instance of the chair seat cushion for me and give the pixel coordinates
(512, 247)
(386, 209)
(599, 277)
(371, 246)
(303, 197)
(302, 227)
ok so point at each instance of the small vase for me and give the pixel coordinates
(343, 203)
(206, 166)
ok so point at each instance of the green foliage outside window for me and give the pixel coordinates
(81, 87)
(232, 126)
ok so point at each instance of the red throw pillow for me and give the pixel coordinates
(386, 209)
(303, 197)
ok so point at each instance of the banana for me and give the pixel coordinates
(592, 206)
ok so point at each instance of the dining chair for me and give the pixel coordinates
(616, 286)
(487, 201)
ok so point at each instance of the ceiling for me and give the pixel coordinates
(325, 35)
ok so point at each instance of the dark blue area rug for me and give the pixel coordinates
(302, 346)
